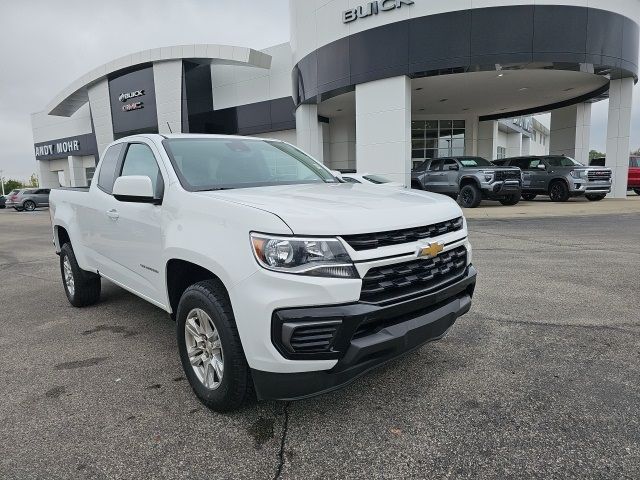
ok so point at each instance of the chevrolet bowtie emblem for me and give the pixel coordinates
(430, 250)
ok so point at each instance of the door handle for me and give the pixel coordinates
(113, 214)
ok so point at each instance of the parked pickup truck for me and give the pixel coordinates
(560, 177)
(469, 180)
(279, 277)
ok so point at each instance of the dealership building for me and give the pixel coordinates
(376, 86)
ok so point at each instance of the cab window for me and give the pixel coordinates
(140, 160)
(107, 175)
(435, 165)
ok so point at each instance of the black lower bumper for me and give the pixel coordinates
(410, 324)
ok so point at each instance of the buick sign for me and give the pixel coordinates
(373, 8)
(123, 97)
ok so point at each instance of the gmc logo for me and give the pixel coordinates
(132, 106)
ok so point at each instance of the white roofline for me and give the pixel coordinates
(67, 102)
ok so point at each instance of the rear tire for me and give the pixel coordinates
(595, 198)
(29, 206)
(510, 200)
(469, 196)
(637, 190)
(18, 209)
(207, 335)
(528, 196)
(558, 191)
(82, 287)
(416, 185)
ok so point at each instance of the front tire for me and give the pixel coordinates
(29, 206)
(210, 349)
(637, 190)
(469, 196)
(510, 200)
(558, 191)
(82, 287)
(18, 209)
(528, 196)
(595, 198)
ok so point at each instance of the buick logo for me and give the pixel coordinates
(123, 97)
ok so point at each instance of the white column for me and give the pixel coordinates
(101, 114)
(514, 144)
(383, 128)
(570, 132)
(618, 131)
(167, 80)
(472, 125)
(526, 145)
(309, 131)
(77, 177)
(488, 139)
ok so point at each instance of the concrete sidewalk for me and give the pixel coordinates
(542, 207)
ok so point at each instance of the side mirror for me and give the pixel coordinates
(336, 173)
(134, 188)
(453, 167)
(541, 166)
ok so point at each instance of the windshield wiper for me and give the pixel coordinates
(215, 189)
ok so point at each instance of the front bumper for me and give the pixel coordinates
(580, 187)
(499, 189)
(370, 335)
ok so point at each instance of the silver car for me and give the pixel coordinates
(28, 199)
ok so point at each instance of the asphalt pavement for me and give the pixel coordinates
(539, 380)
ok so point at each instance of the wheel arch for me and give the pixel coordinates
(61, 236)
(180, 274)
(469, 180)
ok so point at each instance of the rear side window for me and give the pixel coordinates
(140, 160)
(435, 165)
(108, 168)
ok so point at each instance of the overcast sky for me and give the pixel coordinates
(47, 44)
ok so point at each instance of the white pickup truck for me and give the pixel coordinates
(279, 276)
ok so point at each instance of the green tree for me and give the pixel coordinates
(33, 181)
(595, 154)
(11, 184)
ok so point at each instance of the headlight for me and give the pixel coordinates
(578, 174)
(488, 176)
(318, 257)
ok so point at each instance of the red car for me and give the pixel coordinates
(634, 175)
(633, 181)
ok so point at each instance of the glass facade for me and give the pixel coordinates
(436, 138)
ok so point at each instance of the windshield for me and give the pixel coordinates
(563, 162)
(377, 179)
(474, 162)
(224, 163)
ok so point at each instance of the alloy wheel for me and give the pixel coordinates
(204, 348)
(68, 276)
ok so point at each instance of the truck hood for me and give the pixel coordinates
(344, 209)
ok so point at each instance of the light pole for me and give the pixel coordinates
(2, 182)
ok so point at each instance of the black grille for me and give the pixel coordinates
(502, 175)
(370, 241)
(309, 338)
(417, 276)
(598, 175)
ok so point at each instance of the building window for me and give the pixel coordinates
(89, 172)
(436, 138)
(535, 136)
(502, 152)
